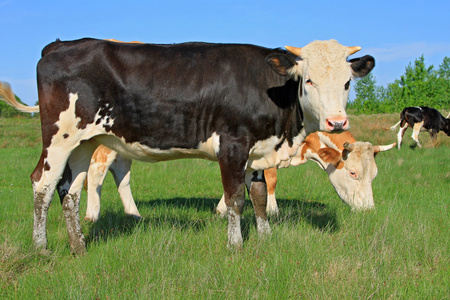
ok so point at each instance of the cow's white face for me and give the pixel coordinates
(325, 76)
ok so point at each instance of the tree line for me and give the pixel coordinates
(420, 85)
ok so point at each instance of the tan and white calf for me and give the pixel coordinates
(350, 166)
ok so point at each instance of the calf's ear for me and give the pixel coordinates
(280, 63)
(362, 66)
(330, 155)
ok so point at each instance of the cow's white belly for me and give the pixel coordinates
(261, 156)
(206, 150)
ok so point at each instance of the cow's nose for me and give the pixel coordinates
(337, 124)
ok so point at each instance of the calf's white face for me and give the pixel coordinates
(351, 171)
(352, 177)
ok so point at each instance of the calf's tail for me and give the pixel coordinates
(7, 95)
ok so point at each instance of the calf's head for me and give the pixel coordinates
(352, 171)
(325, 74)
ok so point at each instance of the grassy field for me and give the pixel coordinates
(319, 249)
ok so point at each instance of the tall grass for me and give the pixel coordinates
(319, 249)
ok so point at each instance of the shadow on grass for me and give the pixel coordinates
(195, 213)
(317, 214)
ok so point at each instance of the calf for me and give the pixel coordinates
(245, 106)
(421, 118)
(350, 166)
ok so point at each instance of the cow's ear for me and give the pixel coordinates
(362, 66)
(280, 63)
(330, 155)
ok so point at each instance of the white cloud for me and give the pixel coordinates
(409, 52)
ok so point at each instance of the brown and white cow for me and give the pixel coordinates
(241, 105)
(350, 166)
(421, 118)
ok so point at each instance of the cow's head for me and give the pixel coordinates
(352, 171)
(325, 75)
(446, 126)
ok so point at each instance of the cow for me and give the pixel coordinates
(421, 118)
(245, 106)
(350, 166)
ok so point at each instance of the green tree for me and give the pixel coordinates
(7, 111)
(367, 95)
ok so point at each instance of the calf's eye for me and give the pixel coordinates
(309, 82)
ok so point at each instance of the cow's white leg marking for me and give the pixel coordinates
(416, 130)
(272, 206)
(234, 218)
(234, 230)
(400, 134)
(121, 173)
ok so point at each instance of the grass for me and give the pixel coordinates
(319, 249)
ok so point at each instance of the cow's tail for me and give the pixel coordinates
(7, 95)
(393, 127)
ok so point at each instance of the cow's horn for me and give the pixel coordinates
(294, 50)
(381, 148)
(353, 50)
(349, 147)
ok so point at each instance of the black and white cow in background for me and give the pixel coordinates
(421, 118)
(241, 105)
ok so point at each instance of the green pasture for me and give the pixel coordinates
(318, 249)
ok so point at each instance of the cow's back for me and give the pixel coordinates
(166, 96)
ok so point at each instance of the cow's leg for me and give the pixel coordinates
(45, 178)
(271, 181)
(101, 161)
(120, 169)
(256, 185)
(69, 190)
(416, 130)
(400, 134)
(433, 135)
(232, 161)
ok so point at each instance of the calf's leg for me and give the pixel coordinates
(256, 185)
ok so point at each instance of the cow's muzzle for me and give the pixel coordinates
(337, 124)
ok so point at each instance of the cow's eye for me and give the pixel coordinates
(353, 174)
(347, 85)
(309, 82)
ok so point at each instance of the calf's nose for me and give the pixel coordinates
(337, 124)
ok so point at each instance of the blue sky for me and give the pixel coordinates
(394, 32)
